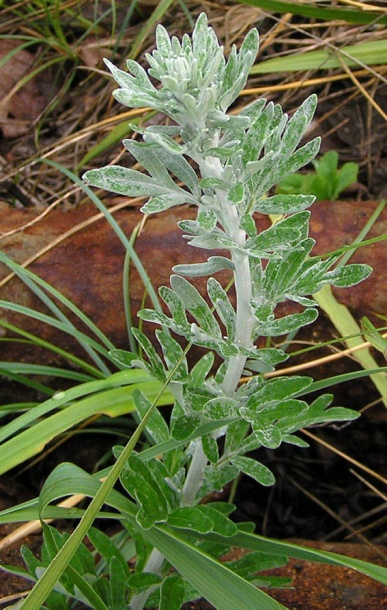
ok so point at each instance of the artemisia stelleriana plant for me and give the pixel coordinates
(227, 165)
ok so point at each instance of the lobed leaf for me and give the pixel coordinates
(139, 581)
(184, 426)
(318, 413)
(201, 369)
(127, 182)
(212, 265)
(221, 523)
(156, 364)
(172, 593)
(173, 356)
(117, 584)
(196, 305)
(254, 469)
(156, 425)
(222, 305)
(214, 241)
(297, 125)
(189, 517)
(268, 435)
(236, 433)
(210, 448)
(140, 483)
(287, 324)
(276, 390)
(277, 237)
(284, 204)
(148, 155)
(264, 359)
(105, 546)
(164, 202)
(221, 407)
(344, 277)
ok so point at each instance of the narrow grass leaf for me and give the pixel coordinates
(259, 543)
(35, 340)
(214, 581)
(60, 399)
(364, 53)
(319, 11)
(346, 324)
(92, 347)
(114, 402)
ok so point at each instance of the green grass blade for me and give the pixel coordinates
(29, 383)
(360, 238)
(35, 340)
(373, 52)
(67, 418)
(126, 292)
(15, 407)
(103, 398)
(346, 324)
(157, 15)
(316, 386)
(355, 246)
(66, 328)
(61, 399)
(276, 547)
(374, 336)
(46, 583)
(28, 276)
(22, 368)
(86, 589)
(342, 318)
(32, 74)
(22, 513)
(66, 480)
(114, 136)
(30, 40)
(127, 308)
(114, 402)
(319, 12)
(214, 581)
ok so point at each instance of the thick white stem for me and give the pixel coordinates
(194, 477)
(242, 279)
(244, 321)
(153, 565)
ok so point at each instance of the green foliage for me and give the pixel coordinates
(100, 578)
(315, 10)
(215, 421)
(374, 336)
(326, 183)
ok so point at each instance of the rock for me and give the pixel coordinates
(319, 586)
(77, 252)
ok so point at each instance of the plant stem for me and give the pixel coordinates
(242, 279)
(195, 474)
(228, 214)
(153, 565)
(192, 484)
(244, 322)
(228, 217)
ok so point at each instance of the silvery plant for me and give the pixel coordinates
(226, 166)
